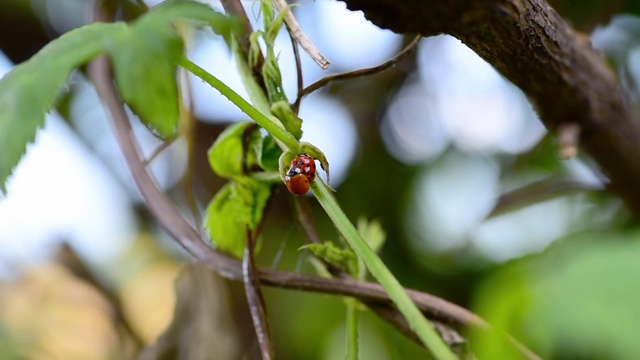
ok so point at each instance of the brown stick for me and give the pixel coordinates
(300, 82)
(256, 300)
(361, 72)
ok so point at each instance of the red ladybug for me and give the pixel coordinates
(301, 173)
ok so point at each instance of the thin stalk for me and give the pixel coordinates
(352, 329)
(255, 90)
(378, 269)
(261, 119)
(360, 72)
(256, 300)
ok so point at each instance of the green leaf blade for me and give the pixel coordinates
(225, 155)
(30, 89)
(146, 77)
(236, 208)
(269, 154)
(144, 61)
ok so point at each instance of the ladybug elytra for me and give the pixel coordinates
(300, 175)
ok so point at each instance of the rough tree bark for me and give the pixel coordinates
(531, 45)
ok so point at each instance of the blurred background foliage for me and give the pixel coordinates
(449, 156)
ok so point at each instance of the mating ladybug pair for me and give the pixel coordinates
(300, 175)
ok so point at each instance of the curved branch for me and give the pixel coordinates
(408, 50)
(532, 46)
(538, 192)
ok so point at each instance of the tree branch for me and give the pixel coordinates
(255, 299)
(533, 47)
(408, 50)
(538, 192)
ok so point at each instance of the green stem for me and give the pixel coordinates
(414, 317)
(254, 90)
(261, 119)
(352, 329)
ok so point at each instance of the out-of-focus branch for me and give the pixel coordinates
(532, 46)
(538, 192)
(255, 299)
(361, 72)
(70, 260)
(300, 82)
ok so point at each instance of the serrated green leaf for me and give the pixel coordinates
(146, 77)
(579, 299)
(29, 90)
(144, 61)
(238, 206)
(141, 57)
(225, 155)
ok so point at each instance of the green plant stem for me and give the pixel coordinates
(254, 90)
(261, 119)
(352, 329)
(377, 268)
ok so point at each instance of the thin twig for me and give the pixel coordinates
(187, 129)
(157, 151)
(300, 81)
(182, 232)
(305, 218)
(159, 204)
(537, 192)
(255, 299)
(67, 257)
(301, 38)
(361, 72)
